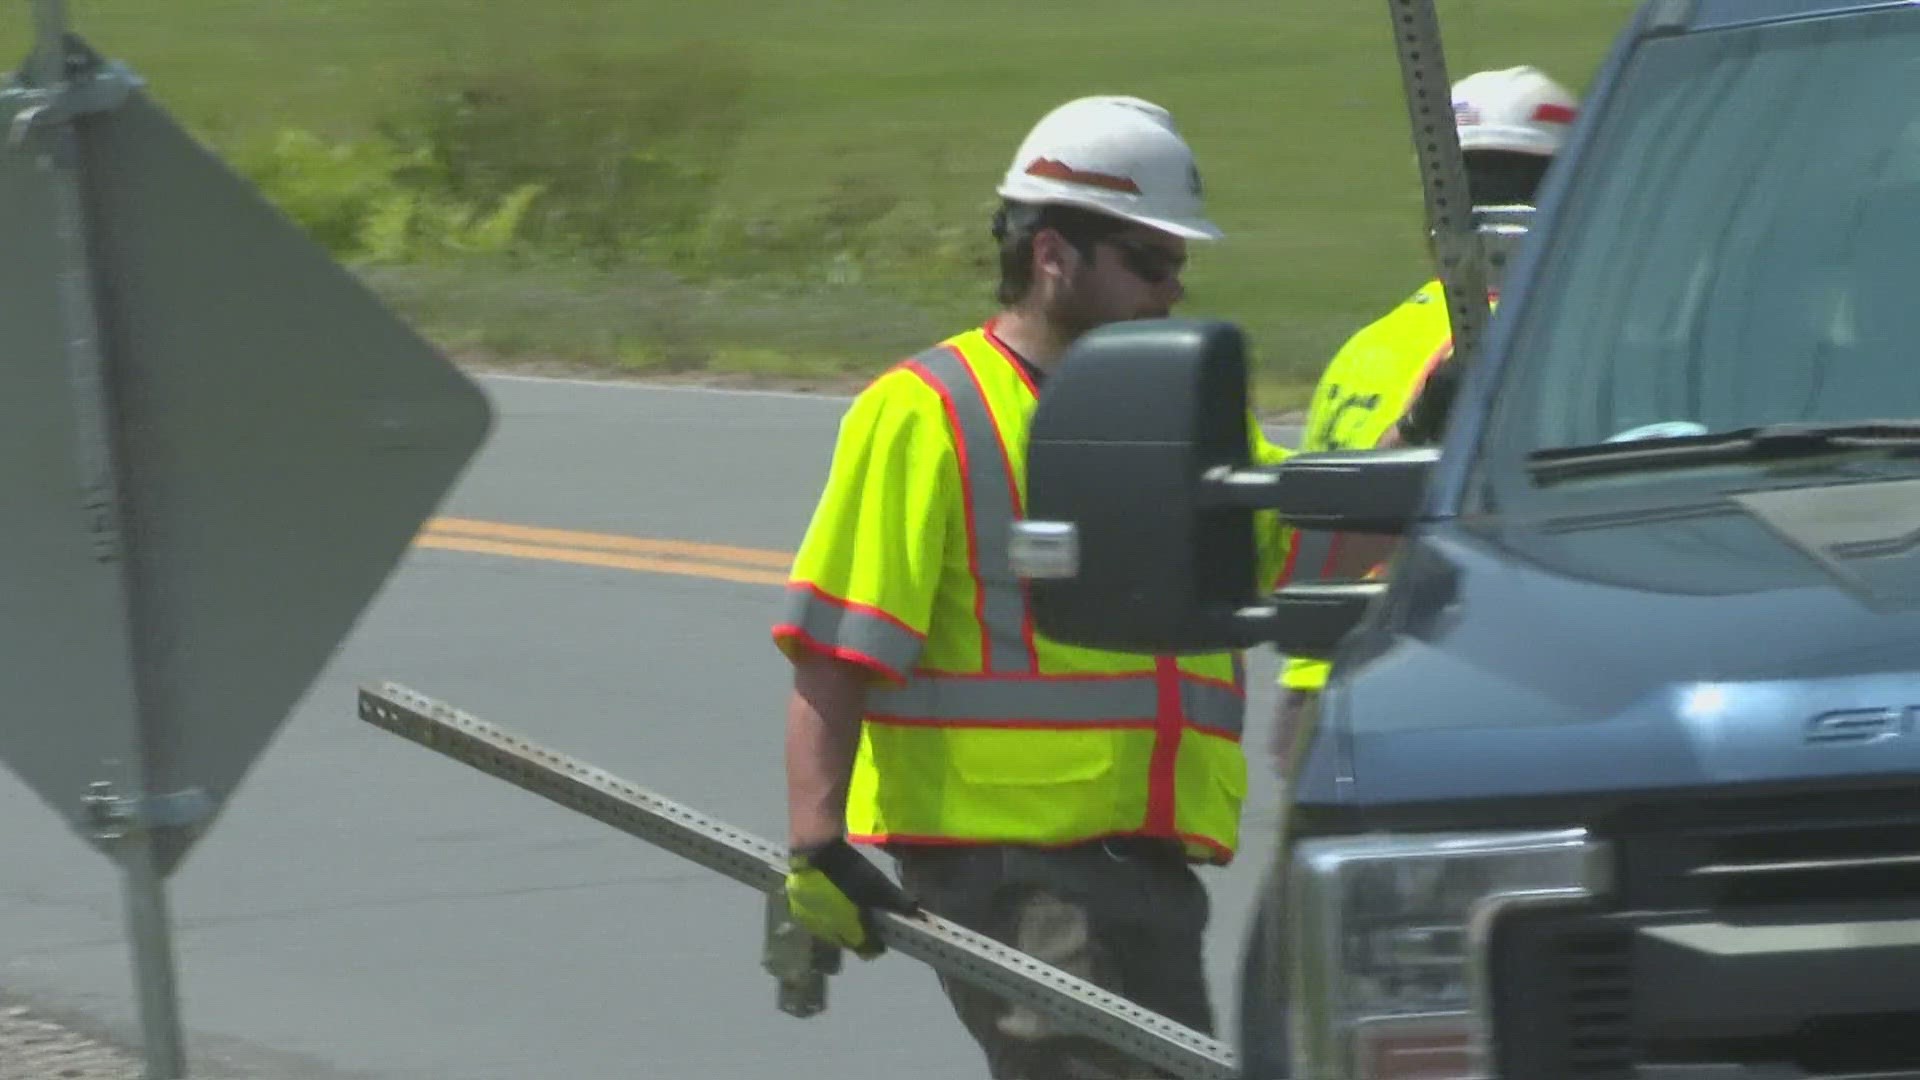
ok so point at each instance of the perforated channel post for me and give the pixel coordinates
(752, 861)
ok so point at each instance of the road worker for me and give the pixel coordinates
(1510, 122)
(1054, 798)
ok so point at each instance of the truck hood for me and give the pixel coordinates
(1701, 647)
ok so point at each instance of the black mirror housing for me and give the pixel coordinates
(1313, 619)
(1141, 496)
(1358, 491)
(1122, 549)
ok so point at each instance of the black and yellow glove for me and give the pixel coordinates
(832, 890)
(1425, 420)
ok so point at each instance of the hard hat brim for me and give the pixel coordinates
(1185, 228)
(1518, 140)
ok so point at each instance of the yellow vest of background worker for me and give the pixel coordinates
(979, 729)
(1358, 401)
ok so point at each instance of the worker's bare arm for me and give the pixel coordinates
(823, 732)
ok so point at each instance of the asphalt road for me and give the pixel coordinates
(369, 909)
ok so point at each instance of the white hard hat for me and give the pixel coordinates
(1115, 155)
(1517, 109)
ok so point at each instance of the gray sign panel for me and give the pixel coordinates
(280, 438)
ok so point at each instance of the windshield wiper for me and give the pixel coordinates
(1764, 442)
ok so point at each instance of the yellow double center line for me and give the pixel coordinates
(750, 565)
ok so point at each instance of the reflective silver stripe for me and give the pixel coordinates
(837, 626)
(990, 496)
(1214, 707)
(1055, 700)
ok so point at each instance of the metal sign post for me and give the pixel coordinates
(1457, 245)
(120, 820)
(215, 445)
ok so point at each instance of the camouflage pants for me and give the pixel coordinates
(1127, 916)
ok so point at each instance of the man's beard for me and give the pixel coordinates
(1073, 315)
(1071, 322)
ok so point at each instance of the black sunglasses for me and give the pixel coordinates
(1149, 262)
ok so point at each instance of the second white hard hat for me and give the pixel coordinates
(1518, 109)
(1116, 155)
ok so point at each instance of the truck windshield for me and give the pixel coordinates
(1740, 250)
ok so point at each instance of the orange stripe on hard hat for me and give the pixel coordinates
(1052, 169)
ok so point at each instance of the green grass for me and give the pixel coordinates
(818, 173)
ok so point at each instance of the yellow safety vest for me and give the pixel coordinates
(980, 729)
(1360, 398)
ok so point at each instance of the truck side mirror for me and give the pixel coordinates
(1121, 549)
(1141, 494)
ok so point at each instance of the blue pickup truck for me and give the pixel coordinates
(1617, 773)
